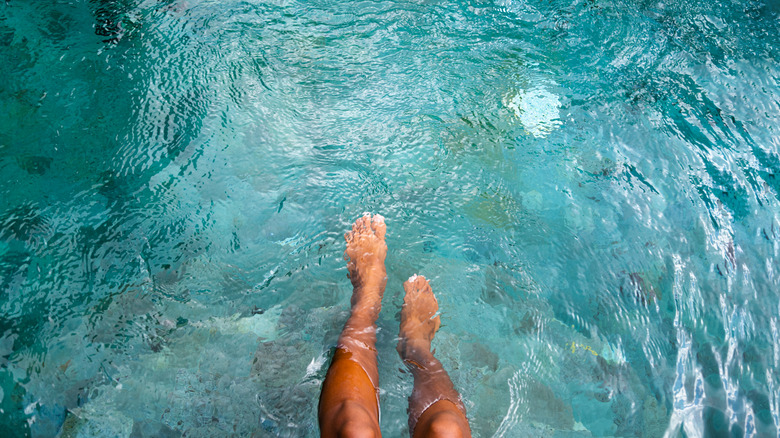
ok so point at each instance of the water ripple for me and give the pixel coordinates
(590, 185)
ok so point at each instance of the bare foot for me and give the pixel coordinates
(366, 251)
(419, 320)
(435, 407)
(349, 403)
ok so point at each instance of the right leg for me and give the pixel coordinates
(435, 408)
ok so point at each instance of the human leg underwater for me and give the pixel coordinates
(435, 407)
(349, 403)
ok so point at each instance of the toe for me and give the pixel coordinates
(358, 226)
(409, 284)
(378, 224)
(365, 222)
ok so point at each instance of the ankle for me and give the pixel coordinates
(362, 316)
(376, 280)
(366, 310)
(416, 351)
(367, 298)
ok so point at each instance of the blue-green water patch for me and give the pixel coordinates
(590, 186)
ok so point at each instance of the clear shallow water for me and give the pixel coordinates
(591, 186)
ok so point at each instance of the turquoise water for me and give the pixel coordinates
(591, 186)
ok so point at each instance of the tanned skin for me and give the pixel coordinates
(435, 407)
(349, 403)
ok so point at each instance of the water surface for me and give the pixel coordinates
(591, 185)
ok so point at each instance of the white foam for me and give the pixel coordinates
(315, 365)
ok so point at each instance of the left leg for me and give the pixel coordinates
(349, 403)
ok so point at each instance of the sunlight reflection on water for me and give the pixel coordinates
(590, 186)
